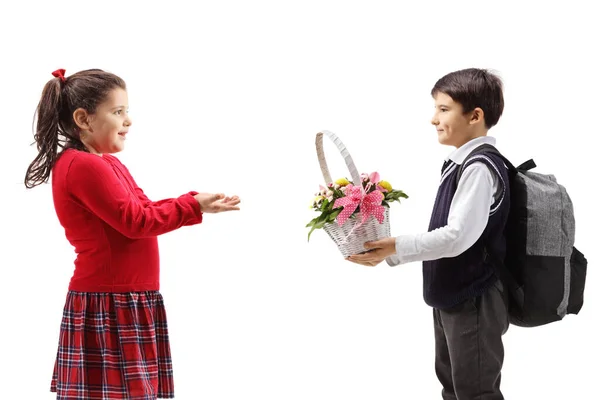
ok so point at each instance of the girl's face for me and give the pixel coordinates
(105, 130)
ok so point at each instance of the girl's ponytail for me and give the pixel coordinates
(46, 134)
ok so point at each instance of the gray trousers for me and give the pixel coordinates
(468, 346)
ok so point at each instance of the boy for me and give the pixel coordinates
(468, 300)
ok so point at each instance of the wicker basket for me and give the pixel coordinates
(349, 238)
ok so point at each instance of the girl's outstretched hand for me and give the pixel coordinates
(216, 203)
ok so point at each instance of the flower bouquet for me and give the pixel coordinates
(355, 211)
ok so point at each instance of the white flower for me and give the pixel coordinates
(317, 201)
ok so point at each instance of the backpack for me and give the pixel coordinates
(543, 271)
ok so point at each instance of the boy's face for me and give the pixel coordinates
(454, 128)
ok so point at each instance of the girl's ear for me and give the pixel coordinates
(82, 119)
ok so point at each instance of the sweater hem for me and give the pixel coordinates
(471, 292)
(124, 288)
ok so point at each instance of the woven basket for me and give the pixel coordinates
(349, 238)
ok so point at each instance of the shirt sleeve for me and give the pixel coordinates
(467, 219)
(92, 182)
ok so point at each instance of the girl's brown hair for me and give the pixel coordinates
(55, 126)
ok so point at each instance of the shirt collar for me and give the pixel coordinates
(458, 156)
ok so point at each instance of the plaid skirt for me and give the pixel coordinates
(113, 346)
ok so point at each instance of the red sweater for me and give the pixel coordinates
(112, 224)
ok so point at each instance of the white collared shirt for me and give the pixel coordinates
(468, 217)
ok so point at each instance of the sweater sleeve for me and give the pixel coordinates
(147, 202)
(142, 196)
(92, 182)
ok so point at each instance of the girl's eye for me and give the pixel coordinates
(118, 112)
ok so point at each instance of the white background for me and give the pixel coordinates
(228, 96)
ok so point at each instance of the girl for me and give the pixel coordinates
(113, 339)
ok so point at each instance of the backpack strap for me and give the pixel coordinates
(515, 290)
(488, 148)
(484, 148)
(526, 166)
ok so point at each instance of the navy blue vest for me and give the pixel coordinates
(450, 281)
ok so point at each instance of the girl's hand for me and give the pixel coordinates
(216, 203)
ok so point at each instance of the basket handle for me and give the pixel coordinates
(343, 151)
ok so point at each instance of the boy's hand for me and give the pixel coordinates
(379, 250)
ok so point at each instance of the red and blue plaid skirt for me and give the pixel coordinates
(113, 346)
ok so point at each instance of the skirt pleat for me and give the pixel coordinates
(113, 346)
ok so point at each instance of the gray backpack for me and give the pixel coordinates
(544, 272)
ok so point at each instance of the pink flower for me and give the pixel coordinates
(323, 191)
(374, 177)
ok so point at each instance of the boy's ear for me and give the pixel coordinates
(477, 115)
(82, 119)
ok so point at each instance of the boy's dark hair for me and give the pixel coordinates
(55, 125)
(474, 87)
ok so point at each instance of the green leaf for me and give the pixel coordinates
(317, 223)
(400, 193)
(323, 217)
(395, 195)
(333, 216)
(327, 216)
(311, 231)
(330, 207)
(312, 222)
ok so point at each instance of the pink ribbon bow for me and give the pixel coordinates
(369, 204)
